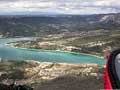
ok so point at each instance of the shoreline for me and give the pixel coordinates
(65, 64)
(61, 64)
(69, 64)
(101, 57)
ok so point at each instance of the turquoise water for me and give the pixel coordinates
(7, 40)
(11, 53)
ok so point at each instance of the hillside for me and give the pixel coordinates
(12, 26)
(52, 76)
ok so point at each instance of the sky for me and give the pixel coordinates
(59, 6)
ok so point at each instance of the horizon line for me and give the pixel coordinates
(44, 14)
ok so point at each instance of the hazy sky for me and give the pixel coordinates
(59, 6)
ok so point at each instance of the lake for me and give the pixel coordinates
(18, 54)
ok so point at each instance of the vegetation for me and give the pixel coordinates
(52, 76)
(13, 26)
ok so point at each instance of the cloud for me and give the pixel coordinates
(60, 6)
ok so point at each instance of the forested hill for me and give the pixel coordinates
(12, 26)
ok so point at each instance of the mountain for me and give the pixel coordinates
(12, 26)
(114, 19)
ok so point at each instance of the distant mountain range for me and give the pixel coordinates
(52, 24)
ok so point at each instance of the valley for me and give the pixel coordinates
(97, 42)
(67, 50)
(91, 34)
